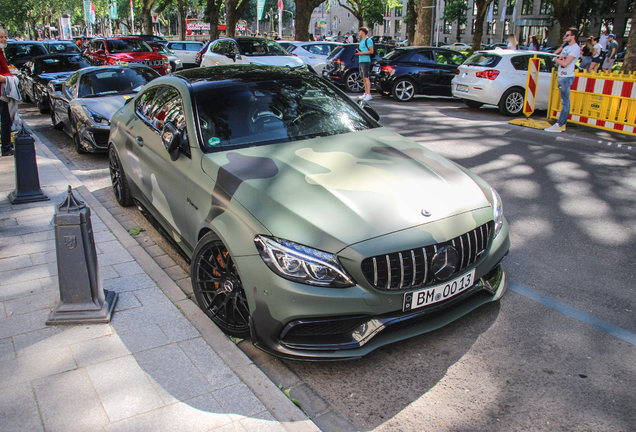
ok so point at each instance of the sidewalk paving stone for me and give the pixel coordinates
(19, 411)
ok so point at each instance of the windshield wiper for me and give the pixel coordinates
(102, 93)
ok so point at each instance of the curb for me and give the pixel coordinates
(281, 407)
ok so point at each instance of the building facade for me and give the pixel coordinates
(523, 18)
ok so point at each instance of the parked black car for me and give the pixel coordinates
(37, 73)
(20, 52)
(60, 47)
(406, 72)
(152, 38)
(342, 65)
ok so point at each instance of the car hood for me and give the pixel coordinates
(137, 56)
(105, 105)
(275, 60)
(336, 191)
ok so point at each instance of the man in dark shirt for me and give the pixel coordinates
(5, 116)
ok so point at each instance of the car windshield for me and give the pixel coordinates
(161, 48)
(55, 48)
(273, 111)
(16, 51)
(64, 64)
(114, 81)
(261, 47)
(127, 45)
(483, 59)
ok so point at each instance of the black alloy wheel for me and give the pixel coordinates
(218, 288)
(42, 108)
(118, 179)
(78, 144)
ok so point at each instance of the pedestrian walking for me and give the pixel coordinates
(612, 50)
(339, 37)
(596, 55)
(586, 54)
(534, 44)
(364, 53)
(512, 42)
(566, 62)
(5, 115)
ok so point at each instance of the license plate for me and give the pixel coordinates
(375, 69)
(438, 293)
(462, 88)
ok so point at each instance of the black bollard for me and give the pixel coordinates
(27, 179)
(83, 300)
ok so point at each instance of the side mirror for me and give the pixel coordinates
(171, 139)
(99, 51)
(369, 110)
(155, 49)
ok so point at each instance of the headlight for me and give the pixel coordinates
(95, 117)
(302, 264)
(497, 209)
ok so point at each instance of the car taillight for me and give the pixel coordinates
(489, 74)
(457, 71)
(386, 69)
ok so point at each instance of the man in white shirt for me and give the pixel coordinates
(566, 62)
(603, 40)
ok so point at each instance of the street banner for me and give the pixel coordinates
(112, 10)
(93, 20)
(281, 6)
(531, 86)
(65, 26)
(87, 11)
(260, 5)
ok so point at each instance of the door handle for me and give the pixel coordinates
(139, 141)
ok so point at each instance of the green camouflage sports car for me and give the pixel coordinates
(309, 226)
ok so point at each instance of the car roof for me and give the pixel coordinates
(185, 41)
(508, 53)
(25, 43)
(221, 75)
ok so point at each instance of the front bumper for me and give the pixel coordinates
(94, 139)
(298, 321)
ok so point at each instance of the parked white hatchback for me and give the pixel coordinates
(313, 53)
(248, 50)
(499, 77)
(186, 51)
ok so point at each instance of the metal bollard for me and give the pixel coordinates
(27, 179)
(82, 297)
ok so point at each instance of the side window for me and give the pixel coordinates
(193, 47)
(547, 63)
(520, 63)
(422, 57)
(71, 85)
(145, 103)
(448, 58)
(232, 48)
(176, 46)
(168, 108)
(218, 48)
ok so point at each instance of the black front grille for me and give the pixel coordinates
(101, 139)
(322, 327)
(412, 268)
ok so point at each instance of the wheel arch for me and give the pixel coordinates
(512, 87)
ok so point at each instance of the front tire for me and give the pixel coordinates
(353, 82)
(78, 144)
(56, 125)
(511, 103)
(118, 178)
(218, 288)
(42, 108)
(403, 90)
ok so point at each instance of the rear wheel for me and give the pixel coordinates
(511, 102)
(353, 82)
(403, 90)
(218, 288)
(472, 104)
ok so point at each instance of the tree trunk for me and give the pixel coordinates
(233, 11)
(213, 9)
(304, 8)
(629, 63)
(458, 36)
(565, 13)
(482, 11)
(146, 17)
(181, 19)
(411, 24)
(424, 28)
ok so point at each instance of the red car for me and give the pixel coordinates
(126, 50)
